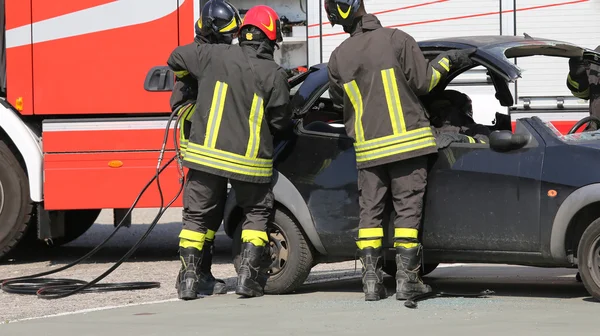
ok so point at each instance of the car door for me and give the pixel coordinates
(480, 199)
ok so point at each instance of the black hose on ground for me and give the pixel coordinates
(48, 288)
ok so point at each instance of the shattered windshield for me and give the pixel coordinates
(576, 137)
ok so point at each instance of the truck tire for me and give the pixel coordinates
(588, 259)
(390, 268)
(77, 222)
(15, 203)
(292, 255)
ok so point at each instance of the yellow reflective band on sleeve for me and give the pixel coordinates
(185, 243)
(406, 233)
(210, 235)
(396, 149)
(370, 233)
(231, 26)
(216, 113)
(406, 245)
(393, 100)
(181, 74)
(482, 141)
(572, 82)
(363, 244)
(356, 99)
(256, 237)
(582, 95)
(445, 63)
(192, 235)
(423, 132)
(255, 123)
(471, 140)
(435, 79)
(227, 161)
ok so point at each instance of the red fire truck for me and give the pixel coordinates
(85, 91)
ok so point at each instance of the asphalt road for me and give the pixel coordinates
(527, 301)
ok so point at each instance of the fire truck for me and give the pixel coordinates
(85, 90)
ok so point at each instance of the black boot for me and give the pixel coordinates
(372, 276)
(187, 280)
(207, 284)
(252, 274)
(408, 280)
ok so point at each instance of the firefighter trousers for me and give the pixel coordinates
(203, 205)
(405, 182)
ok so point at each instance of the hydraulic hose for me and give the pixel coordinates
(412, 302)
(48, 288)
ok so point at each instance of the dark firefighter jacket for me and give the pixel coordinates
(243, 98)
(183, 97)
(378, 73)
(584, 83)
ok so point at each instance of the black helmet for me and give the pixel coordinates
(342, 12)
(220, 20)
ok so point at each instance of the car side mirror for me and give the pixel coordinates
(504, 141)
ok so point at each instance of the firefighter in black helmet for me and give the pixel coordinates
(378, 74)
(584, 82)
(243, 101)
(218, 24)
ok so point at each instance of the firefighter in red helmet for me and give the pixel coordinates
(237, 146)
(377, 74)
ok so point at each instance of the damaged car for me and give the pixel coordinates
(523, 194)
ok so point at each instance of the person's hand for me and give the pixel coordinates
(460, 58)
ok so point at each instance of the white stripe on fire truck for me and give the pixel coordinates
(132, 125)
(108, 16)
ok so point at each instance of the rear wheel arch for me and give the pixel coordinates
(26, 147)
(574, 215)
(287, 197)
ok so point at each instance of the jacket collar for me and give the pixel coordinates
(261, 50)
(365, 23)
(201, 39)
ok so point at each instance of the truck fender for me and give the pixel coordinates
(28, 145)
(571, 205)
(287, 195)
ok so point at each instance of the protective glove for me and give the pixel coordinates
(576, 66)
(460, 58)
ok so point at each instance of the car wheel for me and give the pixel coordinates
(588, 256)
(15, 204)
(390, 268)
(291, 255)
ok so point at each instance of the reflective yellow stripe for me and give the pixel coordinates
(216, 113)
(435, 79)
(356, 99)
(396, 149)
(256, 237)
(583, 95)
(182, 73)
(203, 160)
(445, 63)
(363, 244)
(232, 25)
(393, 100)
(184, 112)
(406, 245)
(210, 235)
(572, 82)
(230, 157)
(192, 235)
(406, 233)
(184, 243)
(370, 233)
(393, 139)
(482, 141)
(471, 140)
(255, 122)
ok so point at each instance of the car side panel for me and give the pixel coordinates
(322, 167)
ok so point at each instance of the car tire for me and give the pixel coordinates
(287, 239)
(390, 268)
(15, 203)
(588, 259)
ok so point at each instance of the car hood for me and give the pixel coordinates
(496, 51)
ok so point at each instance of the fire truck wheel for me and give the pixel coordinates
(77, 222)
(291, 255)
(15, 204)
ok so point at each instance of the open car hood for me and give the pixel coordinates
(496, 51)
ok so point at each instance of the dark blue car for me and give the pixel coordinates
(531, 197)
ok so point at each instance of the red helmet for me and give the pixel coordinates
(266, 19)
